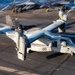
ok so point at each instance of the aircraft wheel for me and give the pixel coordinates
(30, 51)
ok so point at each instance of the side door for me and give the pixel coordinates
(55, 46)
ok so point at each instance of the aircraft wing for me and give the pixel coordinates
(21, 4)
(5, 29)
(41, 33)
(8, 31)
(26, 3)
(51, 36)
(69, 5)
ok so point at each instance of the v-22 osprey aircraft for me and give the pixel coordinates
(41, 41)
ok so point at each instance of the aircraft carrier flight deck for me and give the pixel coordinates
(36, 63)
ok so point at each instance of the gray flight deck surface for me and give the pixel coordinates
(36, 63)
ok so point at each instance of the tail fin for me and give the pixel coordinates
(9, 20)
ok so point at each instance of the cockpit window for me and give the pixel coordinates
(54, 44)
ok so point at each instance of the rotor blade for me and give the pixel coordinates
(9, 20)
(16, 21)
(17, 24)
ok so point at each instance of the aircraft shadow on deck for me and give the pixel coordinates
(69, 25)
(54, 55)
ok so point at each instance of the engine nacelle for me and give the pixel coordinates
(22, 47)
